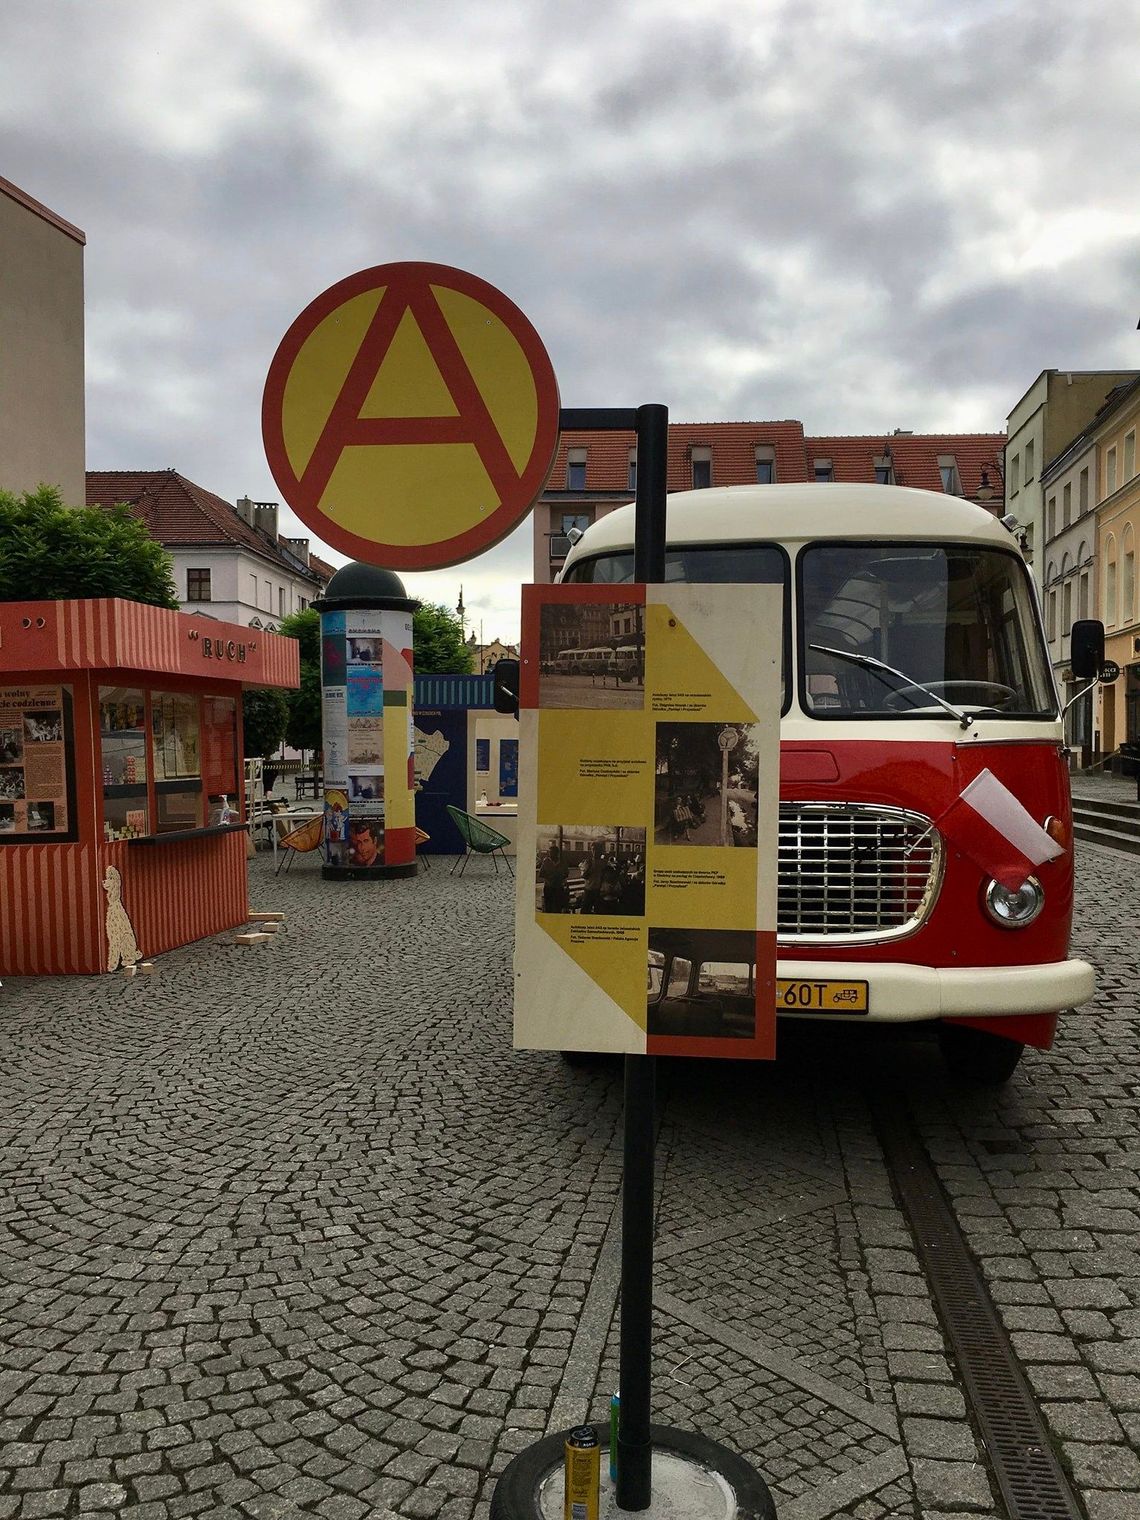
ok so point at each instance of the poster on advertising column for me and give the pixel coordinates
(648, 815)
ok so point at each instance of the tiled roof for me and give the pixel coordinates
(733, 448)
(321, 567)
(179, 513)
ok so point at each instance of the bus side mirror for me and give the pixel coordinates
(1086, 649)
(506, 687)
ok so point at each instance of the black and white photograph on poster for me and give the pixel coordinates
(43, 728)
(365, 786)
(590, 868)
(702, 983)
(11, 745)
(336, 851)
(363, 651)
(7, 817)
(592, 654)
(707, 779)
(12, 782)
(365, 841)
(40, 817)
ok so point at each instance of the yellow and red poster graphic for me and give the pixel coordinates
(648, 809)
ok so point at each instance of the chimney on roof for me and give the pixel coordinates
(244, 509)
(903, 433)
(299, 547)
(265, 518)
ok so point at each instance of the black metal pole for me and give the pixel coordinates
(635, 1446)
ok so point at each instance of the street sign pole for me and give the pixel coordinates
(635, 1445)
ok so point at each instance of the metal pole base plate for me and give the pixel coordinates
(693, 1479)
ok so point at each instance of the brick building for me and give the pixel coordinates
(595, 472)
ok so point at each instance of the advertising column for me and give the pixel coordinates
(366, 724)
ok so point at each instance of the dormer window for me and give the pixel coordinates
(576, 470)
(702, 469)
(765, 465)
(884, 471)
(951, 480)
(824, 470)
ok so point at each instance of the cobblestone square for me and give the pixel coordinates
(290, 1229)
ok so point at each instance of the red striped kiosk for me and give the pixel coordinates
(121, 779)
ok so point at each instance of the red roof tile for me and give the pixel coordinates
(179, 513)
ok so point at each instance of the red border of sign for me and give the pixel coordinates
(509, 513)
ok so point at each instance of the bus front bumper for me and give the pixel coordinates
(900, 994)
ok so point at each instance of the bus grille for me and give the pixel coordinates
(853, 873)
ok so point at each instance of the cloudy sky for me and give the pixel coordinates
(866, 214)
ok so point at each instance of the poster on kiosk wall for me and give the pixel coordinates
(648, 812)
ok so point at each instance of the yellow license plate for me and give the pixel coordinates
(821, 997)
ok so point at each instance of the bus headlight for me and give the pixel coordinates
(1014, 910)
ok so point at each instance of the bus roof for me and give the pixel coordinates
(798, 513)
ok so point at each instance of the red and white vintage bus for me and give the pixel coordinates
(914, 663)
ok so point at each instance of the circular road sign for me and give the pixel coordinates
(410, 416)
(1109, 672)
(728, 739)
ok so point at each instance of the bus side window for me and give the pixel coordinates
(680, 973)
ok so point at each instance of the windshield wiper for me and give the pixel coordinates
(870, 663)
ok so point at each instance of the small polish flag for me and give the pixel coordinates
(988, 824)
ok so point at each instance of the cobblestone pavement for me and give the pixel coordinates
(291, 1230)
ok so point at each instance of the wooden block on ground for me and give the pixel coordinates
(128, 970)
(148, 968)
(269, 928)
(255, 937)
(267, 918)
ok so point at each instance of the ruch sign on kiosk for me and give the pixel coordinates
(648, 811)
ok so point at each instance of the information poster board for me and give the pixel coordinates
(648, 817)
(37, 782)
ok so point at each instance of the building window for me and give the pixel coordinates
(1083, 595)
(1067, 504)
(702, 469)
(1130, 454)
(1029, 452)
(1110, 472)
(253, 578)
(1014, 474)
(824, 471)
(631, 475)
(576, 470)
(1110, 580)
(1050, 517)
(884, 472)
(1066, 608)
(1128, 580)
(1083, 504)
(765, 465)
(301, 604)
(948, 469)
(575, 520)
(197, 585)
(1051, 615)
(281, 601)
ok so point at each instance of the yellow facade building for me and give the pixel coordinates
(1118, 536)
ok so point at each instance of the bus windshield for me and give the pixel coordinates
(955, 622)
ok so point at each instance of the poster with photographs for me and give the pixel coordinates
(592, 654)
(648, 805)
(37, 781)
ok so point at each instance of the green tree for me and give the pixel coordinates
(440, 648)
(265, 712)
(303, 729)
(49, 552)
(305, 627)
